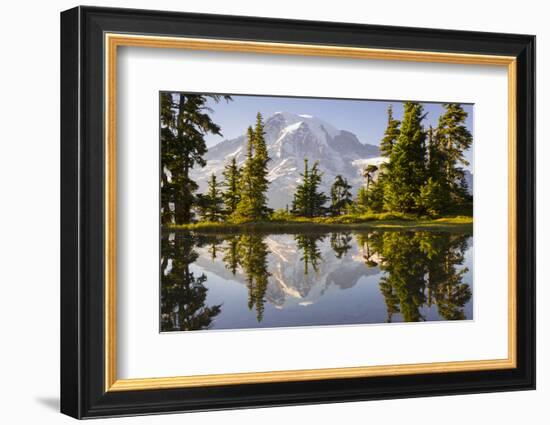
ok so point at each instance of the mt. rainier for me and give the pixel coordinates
(290, 138)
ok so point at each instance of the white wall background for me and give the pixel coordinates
(29, 212)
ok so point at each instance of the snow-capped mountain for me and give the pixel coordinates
(290, 139)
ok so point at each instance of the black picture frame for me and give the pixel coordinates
(83, 392)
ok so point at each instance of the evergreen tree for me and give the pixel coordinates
(168, 144)
(252, 205)
(365, 199)
(308, 201)
(231, 196)
(371, 199)
(300, 201)
(184, 121)
(435, 160)
(435, 195)
(245, 207)
(317, 199)
(362, 201)
(212, 202)
(407, 167)
(376, 194)
(390, 135)
(340, 195)
(453, 139)
(260, 171)
(433, 198)
(368, 173)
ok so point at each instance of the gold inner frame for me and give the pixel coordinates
(113, 41)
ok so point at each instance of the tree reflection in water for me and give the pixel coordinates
(422, 269)
(253, 260)
(340, 243)
(183, 295)
(308, 245)
(231, 254)
(417, 270)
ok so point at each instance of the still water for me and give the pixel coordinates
(256, 280)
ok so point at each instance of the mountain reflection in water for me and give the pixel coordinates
(255, 280)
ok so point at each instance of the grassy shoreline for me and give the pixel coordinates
(452, 223)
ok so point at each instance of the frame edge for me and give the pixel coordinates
(79, 394)
(70, 349)
(526, 202)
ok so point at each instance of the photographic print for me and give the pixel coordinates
(292, 211)
(306, 213)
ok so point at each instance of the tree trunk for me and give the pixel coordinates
(182, 201)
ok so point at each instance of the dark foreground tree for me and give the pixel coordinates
(184, 120)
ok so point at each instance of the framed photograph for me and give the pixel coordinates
(261, 212)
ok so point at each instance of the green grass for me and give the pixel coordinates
(395, 221)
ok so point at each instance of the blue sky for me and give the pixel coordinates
(366, 118)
